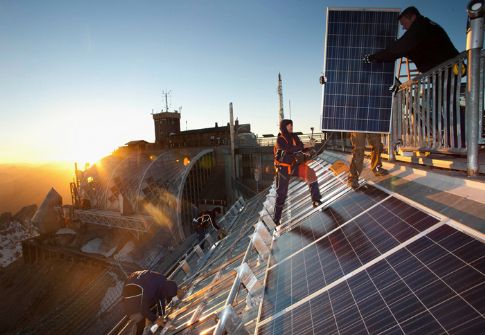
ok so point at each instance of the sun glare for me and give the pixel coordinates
(88, 154)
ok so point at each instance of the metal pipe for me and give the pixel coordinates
(473, 47)
(219, 330)
(231, 131)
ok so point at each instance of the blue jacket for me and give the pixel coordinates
(144, 289)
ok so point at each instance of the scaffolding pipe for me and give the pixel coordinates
(474, 45)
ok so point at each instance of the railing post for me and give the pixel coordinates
(392, 137)
(474, 45)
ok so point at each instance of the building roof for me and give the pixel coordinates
(216, 129)
(368, 260)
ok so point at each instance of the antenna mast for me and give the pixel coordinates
(281, 114)
(166, 94)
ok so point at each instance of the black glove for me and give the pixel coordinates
(309, 154)
(299, 157)
(368, 59)
(395, 87)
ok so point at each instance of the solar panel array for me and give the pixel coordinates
(370, 262)
(432, 286)
(373, 263)
(356, 96)
(321, 262)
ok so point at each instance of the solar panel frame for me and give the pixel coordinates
(385, 127)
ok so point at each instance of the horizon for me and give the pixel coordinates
(81, 79)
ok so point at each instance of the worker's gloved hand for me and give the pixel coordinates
(395, 87)
(368, 59)
(299, 158)
(309, 153)
(160, 321)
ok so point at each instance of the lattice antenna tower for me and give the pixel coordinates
(166, 95)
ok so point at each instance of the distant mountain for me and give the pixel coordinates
(14, 229)
(24, 184)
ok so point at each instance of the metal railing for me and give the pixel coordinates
(442, 110)
(429, 110)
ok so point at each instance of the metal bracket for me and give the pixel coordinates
(263, 232)
(231, 322)
(268, 221)
(198, 251)
(209, 240)
(249, 280)
(269, 208)
(185, 266)
(260, 246)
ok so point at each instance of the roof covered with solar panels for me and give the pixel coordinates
(367, 261)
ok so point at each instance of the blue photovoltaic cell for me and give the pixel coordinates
(435, 285)
(356, 96)
(360, 241)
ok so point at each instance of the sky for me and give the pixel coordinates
(80, 78)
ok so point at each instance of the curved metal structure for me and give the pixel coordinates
(166, 186)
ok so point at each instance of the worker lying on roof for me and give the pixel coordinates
(142, 291)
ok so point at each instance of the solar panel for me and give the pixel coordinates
(434, 285)
(356, 96)
(329, 258)
(321, 223)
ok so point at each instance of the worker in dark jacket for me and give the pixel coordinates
(142, 291)
(424, 42)
(290, 161)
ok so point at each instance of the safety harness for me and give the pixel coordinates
(281, 153)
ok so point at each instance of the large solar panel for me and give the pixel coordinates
(434, 285)
(325, 260)
(321, 223)
(356, 96)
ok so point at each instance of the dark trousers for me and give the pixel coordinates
(358, 146)
(283, 179)
(139, 324)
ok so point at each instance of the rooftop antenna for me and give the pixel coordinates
(166, 94)
(281, 114)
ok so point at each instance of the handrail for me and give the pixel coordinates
(427, 111)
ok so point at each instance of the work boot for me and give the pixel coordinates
(379, 172)
(353, 183)
(277, 215)
(317, 203)
(315, 192)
